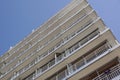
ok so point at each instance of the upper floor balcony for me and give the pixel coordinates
(81, 63)
(108, 71)
(112, 73)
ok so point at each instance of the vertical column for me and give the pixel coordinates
(69, 68)
(55, 58)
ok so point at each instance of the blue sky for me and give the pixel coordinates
(19, 17)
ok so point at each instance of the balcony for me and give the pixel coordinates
(88, 58)
(110, 74)
(82, 62)
(61, 56)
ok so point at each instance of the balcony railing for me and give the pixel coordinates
(110, 74)
(80, 64)
(63, 55)
(90, 57)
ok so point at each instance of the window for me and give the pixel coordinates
(45, 67)
(60, 56)
(52, 62)
(61, 75)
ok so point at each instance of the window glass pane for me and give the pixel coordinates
(59, 57)
(61, 75)
(52, 62)
(45, 67)
(79, 64)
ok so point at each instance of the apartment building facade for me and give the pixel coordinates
(75, 44)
